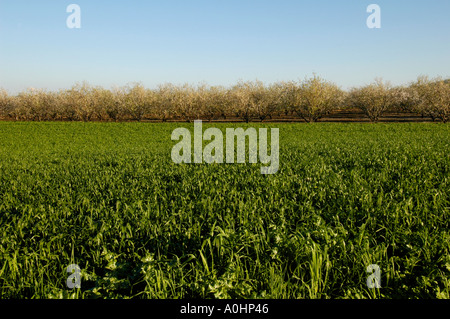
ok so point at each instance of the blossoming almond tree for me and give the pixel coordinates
(434, 97)
(242, 100)
(313, 98)
(373, 99)
(404, 99)
(139, 101)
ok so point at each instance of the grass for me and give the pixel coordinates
(106, 196)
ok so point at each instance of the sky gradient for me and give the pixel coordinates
(220, 42)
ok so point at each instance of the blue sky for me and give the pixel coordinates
(220, 42)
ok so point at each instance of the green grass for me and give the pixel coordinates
(106, 196)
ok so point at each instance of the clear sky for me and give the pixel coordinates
(220, 42)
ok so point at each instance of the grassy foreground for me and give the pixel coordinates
(106, 196)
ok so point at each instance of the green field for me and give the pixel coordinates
(106, 196)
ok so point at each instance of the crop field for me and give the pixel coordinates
(107, 197)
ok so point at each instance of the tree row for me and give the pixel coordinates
(310, 99)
